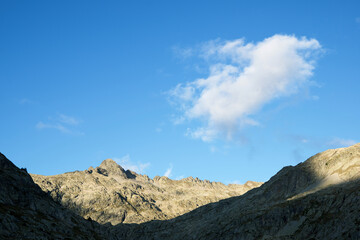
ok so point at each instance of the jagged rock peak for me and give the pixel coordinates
(110, 167)
(109, 163)
(194, 180)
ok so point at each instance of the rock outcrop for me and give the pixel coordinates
(108, 193)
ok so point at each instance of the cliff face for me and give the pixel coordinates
(317, 199)
(26, 212)
(108, 193)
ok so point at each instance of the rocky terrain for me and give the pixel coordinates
(108, 193)
(317, 199)
(26, 212)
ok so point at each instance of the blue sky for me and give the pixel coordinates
(228, 91)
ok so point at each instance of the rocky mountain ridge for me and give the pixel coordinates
(108, 193)
(316, 199)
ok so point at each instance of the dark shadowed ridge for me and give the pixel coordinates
(26, 212)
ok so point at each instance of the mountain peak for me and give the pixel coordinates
(110, 167)
(109, 163)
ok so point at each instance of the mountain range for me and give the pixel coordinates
(316, 199)
(109, 194)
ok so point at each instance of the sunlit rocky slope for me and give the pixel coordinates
(108, 193)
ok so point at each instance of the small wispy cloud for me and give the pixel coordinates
(183, 52)
(213, 149)
(297, 138)
(127, 164)
(180, 177)
(68, 119)
(168, 171)
(303, 142)
(176, 120)
(340, 142)
(234, 182)
(357, 20)
(243, 77)
(57, 126)
(62, 123)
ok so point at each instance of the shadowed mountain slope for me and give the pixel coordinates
(317, 199)
(108, 193)
(26, 212)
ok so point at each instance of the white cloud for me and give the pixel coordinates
(243, 78)
(357, 20)
(168, 171)
(62, 123)
(127, 164)
(206, 134)
(340, 142)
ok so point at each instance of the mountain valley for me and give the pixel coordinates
(316, 199)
